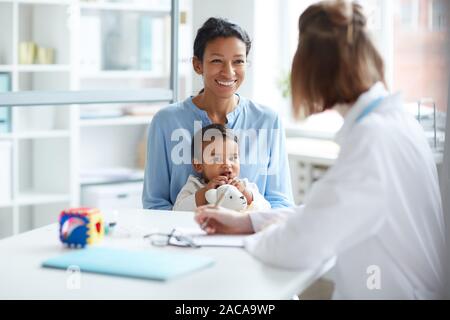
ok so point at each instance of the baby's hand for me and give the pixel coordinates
(216, 182)
(238, 184)
(241, 187)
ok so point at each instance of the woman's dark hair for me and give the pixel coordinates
(212, 130)
(215, 28)
(336, 60)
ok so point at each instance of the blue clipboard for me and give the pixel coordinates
(149, 264)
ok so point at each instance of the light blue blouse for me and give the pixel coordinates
(261, 145)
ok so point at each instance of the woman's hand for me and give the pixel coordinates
(223, 221)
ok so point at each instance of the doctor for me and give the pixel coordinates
(378, 209)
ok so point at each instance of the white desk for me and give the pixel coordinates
(235, 274)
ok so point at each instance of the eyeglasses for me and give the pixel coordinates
(170, 239)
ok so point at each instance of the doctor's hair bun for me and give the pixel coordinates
(343, 13)
(334, 17)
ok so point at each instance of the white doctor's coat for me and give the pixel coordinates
(378, 208)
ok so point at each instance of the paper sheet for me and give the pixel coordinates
(201, 238)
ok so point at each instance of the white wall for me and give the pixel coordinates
(268, 65)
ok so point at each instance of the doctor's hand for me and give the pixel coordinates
(218, 220)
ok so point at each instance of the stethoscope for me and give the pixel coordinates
(372, 106)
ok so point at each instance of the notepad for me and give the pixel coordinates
(148, 264)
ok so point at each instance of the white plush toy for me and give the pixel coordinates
(232, 198)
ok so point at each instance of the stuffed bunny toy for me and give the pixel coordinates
(232, 198)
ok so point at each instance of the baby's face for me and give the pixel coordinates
(220, 158)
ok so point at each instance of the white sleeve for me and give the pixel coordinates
(186, 198)
(341, 210)
(262, 219)
(260, 211)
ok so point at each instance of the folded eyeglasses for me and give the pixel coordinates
(170, 239)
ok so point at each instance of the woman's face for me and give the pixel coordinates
(223, 66)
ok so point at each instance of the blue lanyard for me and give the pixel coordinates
(373, 105)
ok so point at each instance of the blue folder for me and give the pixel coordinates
(154, 265)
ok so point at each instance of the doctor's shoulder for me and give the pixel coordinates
(384, 125)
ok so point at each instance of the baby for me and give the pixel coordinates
(219, 165)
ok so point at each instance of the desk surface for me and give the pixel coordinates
(235, 274)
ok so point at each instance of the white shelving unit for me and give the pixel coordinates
(52, 145)
(310, 158)
(41, 137)
(43, 68)
(6, 68)
(120, 121)
(156, 8)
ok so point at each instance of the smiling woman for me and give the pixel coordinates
(220, 57)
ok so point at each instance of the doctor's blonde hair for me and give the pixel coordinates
(336, 60)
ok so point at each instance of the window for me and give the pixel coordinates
(413, 38)
(438, 19)
(421, 54)
(408, 13)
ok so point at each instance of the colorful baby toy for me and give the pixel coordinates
(81, 226)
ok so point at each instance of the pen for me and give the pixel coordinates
(217, 204)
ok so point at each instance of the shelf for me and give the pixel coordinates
(43, 68)
(6, 68)
(52, 2)
(133, 7)
(122, 74)
(6, 136)
(111, 176)
(48, 134)
(33, 198)
(45, 98)
(119, 121)
(6, 204)
(42, 134)
(109, 181)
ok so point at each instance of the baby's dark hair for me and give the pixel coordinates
(215, 28)
(219, 129)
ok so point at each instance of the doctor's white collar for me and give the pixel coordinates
(377, 91)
